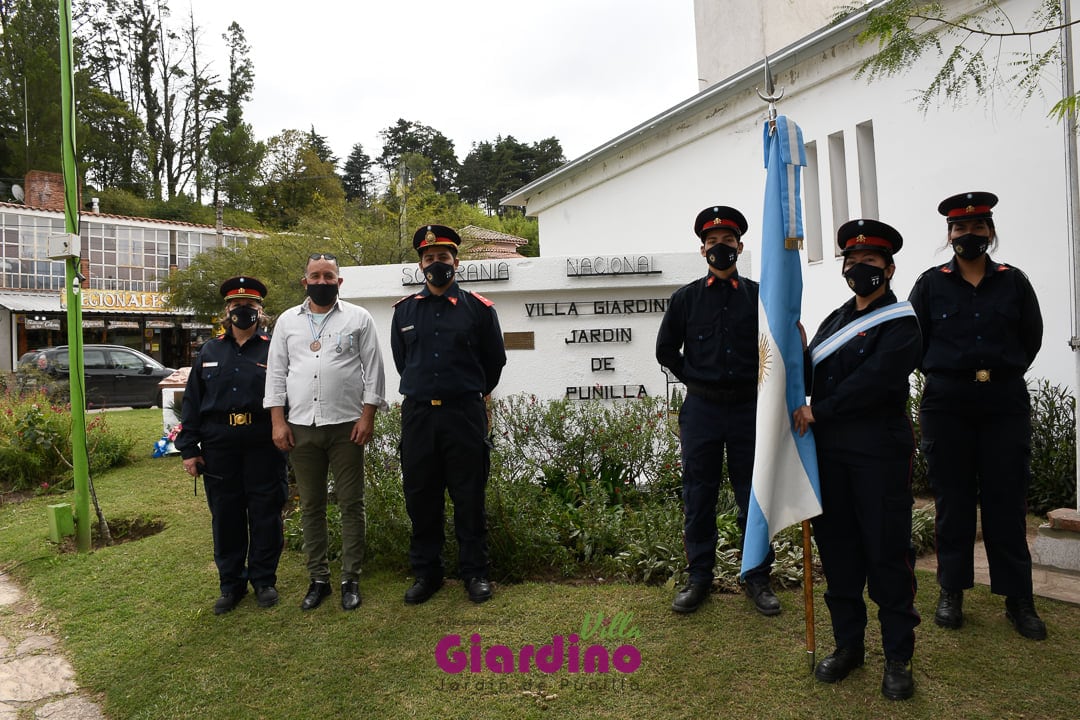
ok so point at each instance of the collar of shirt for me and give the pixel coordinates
(451, 295)
(951, 268)
(732, 281)
(887, 299)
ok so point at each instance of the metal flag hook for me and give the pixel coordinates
(772, 97)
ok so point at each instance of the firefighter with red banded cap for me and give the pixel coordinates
(226, 437)
(708, 339)
(448, 349)
(858, 366)
(982, 328)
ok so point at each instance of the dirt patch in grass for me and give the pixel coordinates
(121, 530)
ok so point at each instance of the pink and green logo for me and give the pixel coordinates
(567, 653)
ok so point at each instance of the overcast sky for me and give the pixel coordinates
(583, 71)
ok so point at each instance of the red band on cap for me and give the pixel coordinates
(721, 222)
(867, 240)
(969, 210)
(243, 292)
(437, 241)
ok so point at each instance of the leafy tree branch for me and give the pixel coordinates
(976, 56)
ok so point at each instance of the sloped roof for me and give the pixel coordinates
(490, 244)
(484, 235)
(85, 215)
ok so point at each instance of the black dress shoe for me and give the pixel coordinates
(1021, 613)
(422, 590)
(761, 594)
(479, 590)
(896, 683)
(350, 595)
(266, 596)
(227, 602)
(317, 591)
(690, 597)
(950, 609)
(839, 665)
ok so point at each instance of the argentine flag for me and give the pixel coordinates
(785, 482)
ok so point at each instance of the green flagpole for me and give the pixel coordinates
(79, 460)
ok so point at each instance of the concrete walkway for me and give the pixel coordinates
(36, 680)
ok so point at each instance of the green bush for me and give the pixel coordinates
(35, 443)
(576, 490)
(625, 447)
(922, 529)
(1053, 448)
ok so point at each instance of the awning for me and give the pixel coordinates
(31, 302)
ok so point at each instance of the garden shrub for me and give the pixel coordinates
(577, 489)
(35, 443)
(1053, 449)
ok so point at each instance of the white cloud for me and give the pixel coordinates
(580, 70)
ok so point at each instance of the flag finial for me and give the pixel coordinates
(770, 96)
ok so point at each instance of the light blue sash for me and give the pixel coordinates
(839, 338)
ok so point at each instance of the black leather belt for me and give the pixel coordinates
(978, 375)
(722, 395)
(238, 419)
(448, 401)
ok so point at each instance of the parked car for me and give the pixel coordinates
(116, 376)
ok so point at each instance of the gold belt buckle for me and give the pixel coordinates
(982, 376)
(236, 419)
(436, 403)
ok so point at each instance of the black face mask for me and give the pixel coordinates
(439, 274)
(322, 295)
(971, 246)
(865, 279)
(721, 256)
(243, 317)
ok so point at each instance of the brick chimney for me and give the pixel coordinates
(44, 190)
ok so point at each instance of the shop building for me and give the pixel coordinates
(124, 260)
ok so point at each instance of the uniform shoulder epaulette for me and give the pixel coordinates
(410, 295)
(481, 298)
(265, 336)
(1002, 267)
(945, 268)
(220, 337)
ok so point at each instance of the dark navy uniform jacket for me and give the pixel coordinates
(446, 346)
(866, 379)
(226, 378)
(709, 334)
(996, 325)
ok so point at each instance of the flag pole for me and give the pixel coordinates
(70, 251)
(792, 239)
(808, 592)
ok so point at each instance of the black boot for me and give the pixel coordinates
(839, 665)
(950, 609)
(1021, 613)
(690, 597)
(897, 683)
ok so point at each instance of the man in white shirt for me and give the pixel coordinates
(324, 383)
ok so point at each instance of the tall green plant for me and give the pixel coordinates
(1053, 448)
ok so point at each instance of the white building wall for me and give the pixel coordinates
(536, 298)
(643, 196)
(731, 34)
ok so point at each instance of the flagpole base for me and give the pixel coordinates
(810, 657)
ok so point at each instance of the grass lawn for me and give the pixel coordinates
(136, 621)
